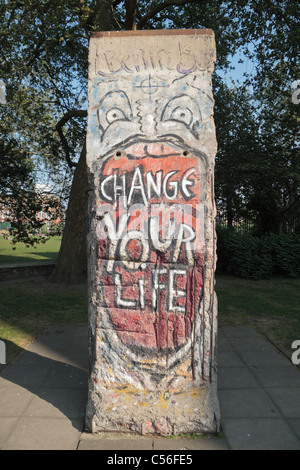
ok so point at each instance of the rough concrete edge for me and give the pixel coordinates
(154, 32)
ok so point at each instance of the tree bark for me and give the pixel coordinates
(71, 267)
(130, 21)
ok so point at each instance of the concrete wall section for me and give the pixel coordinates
(152, 308)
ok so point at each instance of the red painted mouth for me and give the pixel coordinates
(150, 259)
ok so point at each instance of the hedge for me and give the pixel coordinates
(247, 256)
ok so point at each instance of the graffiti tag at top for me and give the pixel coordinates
(183, 61)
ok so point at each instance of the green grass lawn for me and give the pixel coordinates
(22, 254)
(27, 306)
(271, 306)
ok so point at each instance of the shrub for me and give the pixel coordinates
(286, 253)
(223, 234)
(248, 257)
(251, 257)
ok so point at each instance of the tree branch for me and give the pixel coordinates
(101, 15)
(59, 127)
(292, 206)
(158, 8)
(130, 19)
(115, 3)
(36, 53)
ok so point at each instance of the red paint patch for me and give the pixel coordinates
(150, 260)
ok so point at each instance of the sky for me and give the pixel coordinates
(247, 66)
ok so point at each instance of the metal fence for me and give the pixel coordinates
(247, 222)
(242, 224)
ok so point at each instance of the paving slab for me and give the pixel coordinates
(14, 399)
(264, 359)
(30, 373)
(260, 434)
(43, 394)
(58, 403)
(229, 359)
(236, 378)
(276, 376)
(224, 345)
(239, 331)
(250, 343)
(204, 443)
(114, 441)
(247, 403)
(258, 400)
(295, 425)
(43, 397)
(7, 426)
(287, 400)
(66, 376)
(44, 434)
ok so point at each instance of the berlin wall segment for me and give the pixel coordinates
(151, 148)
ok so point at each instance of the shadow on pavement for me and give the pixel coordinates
(54, 370)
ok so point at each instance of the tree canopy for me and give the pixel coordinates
(44, 64)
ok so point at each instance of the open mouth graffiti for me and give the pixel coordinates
(150, 231)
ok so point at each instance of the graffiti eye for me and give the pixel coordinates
(182, 114)
(181, 109)
(115, 114)
(113, 107)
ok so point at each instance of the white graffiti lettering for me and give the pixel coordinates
(115, 187)
(119, 238)
(157, 285)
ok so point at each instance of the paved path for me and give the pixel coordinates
(43, 397)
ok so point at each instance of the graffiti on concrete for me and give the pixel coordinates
(151, 245)
(150, 218)
(151, 146)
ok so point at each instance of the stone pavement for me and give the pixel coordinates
(43, 397)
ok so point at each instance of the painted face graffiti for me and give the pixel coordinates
(150, 235)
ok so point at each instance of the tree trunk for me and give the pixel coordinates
(71, 265)
(130, 21)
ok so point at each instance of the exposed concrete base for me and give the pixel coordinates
(124, 396)
(173, 412)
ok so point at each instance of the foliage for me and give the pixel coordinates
(39, 87)
(285, 250)
(258, 158)
(44, 63)
(237, 130)
(252, 257)
(17, 189)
